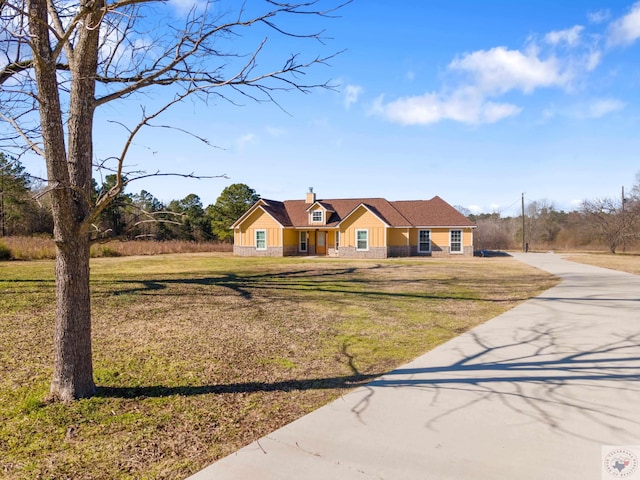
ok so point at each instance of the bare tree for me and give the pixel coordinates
(62, 60)
(610, 221)
(544, 222)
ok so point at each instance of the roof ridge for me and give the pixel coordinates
(398, 212)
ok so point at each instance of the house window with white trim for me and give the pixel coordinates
(362, 240)
(303, 241)
(337, 239)
(424, 241)
(261, 239)
(455, 242)
(316, 216)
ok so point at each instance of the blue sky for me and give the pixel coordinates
(476, 102)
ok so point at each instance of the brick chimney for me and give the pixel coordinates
(311, 197)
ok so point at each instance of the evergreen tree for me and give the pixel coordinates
(232, 203)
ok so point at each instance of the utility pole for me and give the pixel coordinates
(2, 200)
(624, 233)
(524, 245)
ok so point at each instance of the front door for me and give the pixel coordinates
(321, 243)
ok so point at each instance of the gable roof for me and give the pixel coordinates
(407, 213)
(432, 213)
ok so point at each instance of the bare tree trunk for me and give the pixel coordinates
(70, 177)
(73, 370)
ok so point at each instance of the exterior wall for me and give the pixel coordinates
(241, 251)
(398, 237)
(291, 238)
(245, 237)
(373, 252)
(398, 242)
(440, 242)
(362, 219)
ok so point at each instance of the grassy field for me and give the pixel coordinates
(620, 261)
(196, 355)
(43, 248)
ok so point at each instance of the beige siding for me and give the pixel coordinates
(291, 238)
(362, 219)
(441, 236)
(397, 237)
(331, 239)
(259, 220)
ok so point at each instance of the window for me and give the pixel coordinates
(337, 240)
(261, 239)
(303, 241)
(316, 216)
(455, 245)
(424, 241)
(362, 239)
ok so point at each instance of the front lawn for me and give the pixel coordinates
(196, 355)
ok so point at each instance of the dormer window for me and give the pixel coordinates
(316, 216)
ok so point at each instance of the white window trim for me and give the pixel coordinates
(265, 238)
(306, 242)
(456, 252)
(429, 249)
(366, 230)
(321, 216)
(337, 237)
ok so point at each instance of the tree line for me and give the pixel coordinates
(25, 209)
(606, 223)
(611, 223)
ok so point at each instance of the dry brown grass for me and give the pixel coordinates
(41, 248)
(197, 355)
(620, 261)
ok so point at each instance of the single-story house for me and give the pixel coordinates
(353, 228)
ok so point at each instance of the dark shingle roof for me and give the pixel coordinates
(432, 213)
(409, 213)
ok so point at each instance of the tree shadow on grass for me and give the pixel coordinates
(327, 281)
(344, 382)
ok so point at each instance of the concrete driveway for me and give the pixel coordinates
(534, 393)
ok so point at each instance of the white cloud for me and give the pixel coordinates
(474, 208)
(626, 29)
(430, 108)
(499, 70)
(493, 112)
(476, 82)
(351, 94)
(570, 36)
(593, 109)
(599, 16)
(602, 107)
(592, 60)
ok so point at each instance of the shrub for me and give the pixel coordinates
(5, 253)
(105, 251)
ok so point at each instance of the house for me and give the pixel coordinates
(353, 228)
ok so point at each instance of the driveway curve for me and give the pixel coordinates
(534, 393)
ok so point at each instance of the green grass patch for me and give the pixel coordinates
(196, 355)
